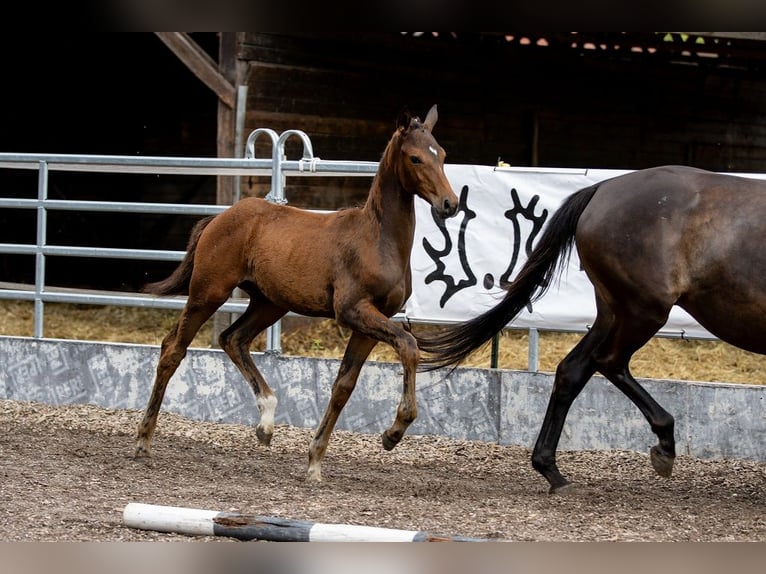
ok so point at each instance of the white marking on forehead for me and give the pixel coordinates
(433, 151)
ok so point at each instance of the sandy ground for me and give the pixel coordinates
(67, 473)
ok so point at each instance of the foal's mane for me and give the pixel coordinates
(405, 123)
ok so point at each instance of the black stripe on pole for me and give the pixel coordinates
(244, 527)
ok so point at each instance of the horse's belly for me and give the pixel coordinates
(738, 321)
(302, 300)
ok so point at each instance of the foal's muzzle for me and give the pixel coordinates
(446, 209)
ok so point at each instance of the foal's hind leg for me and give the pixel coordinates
(357, 351)
(236, 341)
(172, 352)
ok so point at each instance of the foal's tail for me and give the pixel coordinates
(549, 255)
(178, 281)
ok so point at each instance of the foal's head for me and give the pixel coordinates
(419, 163)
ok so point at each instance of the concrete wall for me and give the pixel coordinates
(502, 406)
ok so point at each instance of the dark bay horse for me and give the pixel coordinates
(647, 240)
(352, 265)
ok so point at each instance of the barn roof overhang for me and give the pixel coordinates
(717, 49)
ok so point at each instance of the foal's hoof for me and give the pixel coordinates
(388, 442)
(314, 475)
(264, 438)
(141, 453)
(143, 456)
(662, 463)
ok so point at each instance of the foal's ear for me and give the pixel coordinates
(404, 119)
(431, 118)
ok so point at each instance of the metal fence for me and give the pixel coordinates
(277, 166)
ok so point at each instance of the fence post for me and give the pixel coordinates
(533, 355)
(42, 225)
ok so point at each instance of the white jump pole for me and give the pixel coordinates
(197, 522)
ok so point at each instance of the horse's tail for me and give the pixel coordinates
(550, 254)
(178, 281)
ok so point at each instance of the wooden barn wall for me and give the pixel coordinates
(531, 106)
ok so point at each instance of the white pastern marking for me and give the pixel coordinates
(267, 406)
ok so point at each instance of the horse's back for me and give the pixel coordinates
(266, 226)
(686, 236)
(663, 206)
(299, 259)
(671, 205)
(285, 253)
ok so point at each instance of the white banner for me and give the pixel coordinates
(459, 264)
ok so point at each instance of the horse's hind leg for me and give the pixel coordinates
(607, 348)
(357, 351)
(172, 352)
(613, 360)
(572, 374)
(236, 341)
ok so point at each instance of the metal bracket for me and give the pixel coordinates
(277, 192)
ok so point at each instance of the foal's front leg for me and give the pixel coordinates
(407, 411)
(357, 351)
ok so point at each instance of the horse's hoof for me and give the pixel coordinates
(143, 456)
(563, 489)
(662, 463)
(314, 475)
(264, 438)
(388, 442)
(141, 453)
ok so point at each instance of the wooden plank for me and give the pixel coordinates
(226, 146)
(200, 64)
(226, 117)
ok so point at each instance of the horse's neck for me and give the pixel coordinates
(392, 209)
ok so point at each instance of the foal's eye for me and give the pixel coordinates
(415, 159)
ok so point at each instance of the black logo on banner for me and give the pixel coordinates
(450, 286)
(514, 215)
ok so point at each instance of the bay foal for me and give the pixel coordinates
(352, 265)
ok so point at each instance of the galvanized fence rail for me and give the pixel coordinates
(278, 167)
